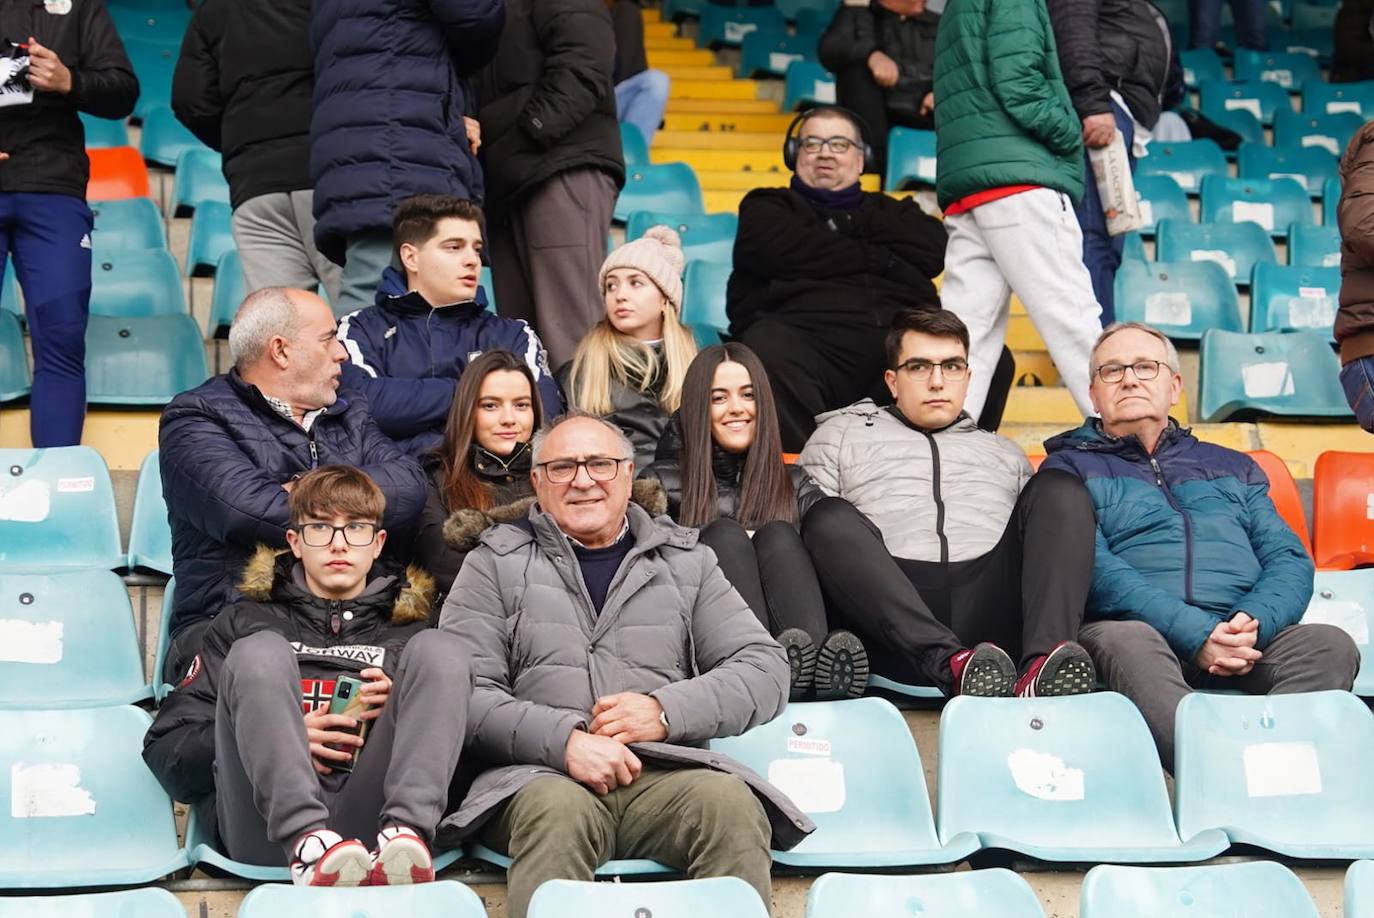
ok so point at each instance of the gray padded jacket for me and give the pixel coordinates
(942, 495)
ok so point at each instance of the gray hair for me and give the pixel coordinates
(572, 414)
(262, 316)
(1170, 352)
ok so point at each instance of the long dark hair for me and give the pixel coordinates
(766, 493)
(462, 488)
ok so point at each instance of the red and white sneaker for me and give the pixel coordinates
(401, 858)
(984, 672)
(325, 858)
(1066, 670)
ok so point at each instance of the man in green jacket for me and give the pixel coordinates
(1010, 166)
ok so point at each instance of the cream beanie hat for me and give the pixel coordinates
(658, 253)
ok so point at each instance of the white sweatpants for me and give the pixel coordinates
(1030, 243)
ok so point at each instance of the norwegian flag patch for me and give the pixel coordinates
(316, 694)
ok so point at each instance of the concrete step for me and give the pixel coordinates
(712, 89)
(698, 72)
(696, 57)
(750, 141)
(682, 105)
(718, 160)
(717, 123)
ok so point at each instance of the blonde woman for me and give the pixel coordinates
(629, 368)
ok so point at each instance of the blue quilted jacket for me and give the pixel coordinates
(1185, 538)
(224, 455)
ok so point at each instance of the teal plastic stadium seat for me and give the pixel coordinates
(15, 379)
(144, 282)
(1346, 599)
(142, 361)
(666, 187)
(1314, 246)
(705, 237)
(726, 26)
(1259, 889)
(910, 159)
(703, 297)
(153, 63)
(807, 84)
(1237, 247)
(212, 235)
(979, 892)
(1275, 204)
(444, 899)
(1315, 43)
(127, 224)
(1261, 99)
(228, 293)
(852, 767)
(627, 867)
(922, 692)
(69, 642)
(166, 25)
(57, 511)
(9, 290)
(1181, 298)
(1201, 65)
(1314, 16)
(1287, 773)
(1186, 162)
(1309, 166)
(678, 10)
(1331, 199)
(1133, 247)
(1287, 69)
(633, 145)
(1294, 374)
(1329, 132)
(148, 902)
(1241, 120)
(1338, 98)
(150, 534)
(80, 809)
(104, 132)
(723, 896)
(799, 11)
(1161, 198)
(765, 53)
(1359, 890)
(199, 179)
(1286, 298)
(484, 281)
(1073, 779)
(164, 640)
(165, 138)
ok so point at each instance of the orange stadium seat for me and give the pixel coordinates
(1035, 460)
(117, 172)
(1283, 491)
(1343, 510)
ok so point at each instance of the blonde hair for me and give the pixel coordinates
(604, 355)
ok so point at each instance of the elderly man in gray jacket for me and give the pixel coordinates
(608, 648)
(937, 546)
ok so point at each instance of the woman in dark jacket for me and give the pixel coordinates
(482, 467)
(731, 482)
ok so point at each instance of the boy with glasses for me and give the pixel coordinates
(954, 565)
(247, 737)
(1197, 582)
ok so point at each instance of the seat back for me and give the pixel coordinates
(1309, 166)
(1161, 198)
(997, 892)
(9, 289)
(1329, 132)
(199, 178)
(703, 296)
(1331, 199)
(726, 26)
(116, 172)
(154, 62)
(1359, 890)
(765, 52)
(1260, 889)
(142, 361)
(1286, 298)
(666, 899)
(128, 224)
(14, 362)
(57, 511)
(444, 899)
(666, 187)
(104, 132)
(1314, 246)
(705, 237)
(1283, 491)
(1346, 599)
(150, 534)
(165, 25)
(1201, 65)
(807, 84)
(1237, 247)
(1259, 98)
(1287, 69)
(1274, 204)
(633, 145)
(143, 282)
(799, 11)
(1186, 162)
(148, 902)
(165, 138)
(229, 293)
(1292, 374)
(1343, 510)
(1183, 299)
(1314, 16)
(212, 235)
(1338, 98)
(910, 159)
(164, 641)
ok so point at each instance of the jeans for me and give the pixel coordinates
(1357, 378)
(1204, 23)
(369, 253)
(641, 99)
(1102, 252)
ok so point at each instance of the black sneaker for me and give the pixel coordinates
(984, 672)
(801, 660)
(841, 667)
(1066, 670)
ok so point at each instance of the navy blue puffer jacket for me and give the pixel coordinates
(389, 103)
(225, 453)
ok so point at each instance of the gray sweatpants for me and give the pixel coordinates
(1134, 659)
(275, 236)
(268, 794)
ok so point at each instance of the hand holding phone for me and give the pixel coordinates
(330, 744)
(350, 705)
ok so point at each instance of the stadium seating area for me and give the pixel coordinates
(1238, 262)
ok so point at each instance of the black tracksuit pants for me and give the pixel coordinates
(773, 572)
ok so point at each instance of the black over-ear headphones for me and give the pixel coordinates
(792, 144)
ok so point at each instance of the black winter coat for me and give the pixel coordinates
(858, 31)
(729, 471)
(546, 102)
(225, 453)
(627, 17)
(242, 85)
(637, 413)
(1114, 44)
(45, 139)
(794, 256)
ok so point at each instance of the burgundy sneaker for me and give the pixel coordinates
(401, 858)
(1066, 670)
(983, 672)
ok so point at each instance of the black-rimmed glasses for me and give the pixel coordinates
(319, 535)
(1143, 369)
(600, 468)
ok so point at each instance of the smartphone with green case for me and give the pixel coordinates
(347, 700)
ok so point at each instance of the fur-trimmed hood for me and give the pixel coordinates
(463, 527)
(269, 570)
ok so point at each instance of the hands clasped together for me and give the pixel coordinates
(599, 757)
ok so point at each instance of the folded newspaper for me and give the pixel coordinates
(14, 75)
(1112, 170)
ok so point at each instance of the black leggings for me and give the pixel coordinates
(1026, 594)
(773, 572)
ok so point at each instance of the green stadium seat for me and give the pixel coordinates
(1329, 132)
(1315, 43)
(1331, 199)
(164, 640)
(799, 11)
(81, 809)
(1241, 120)
(1310, 166)
(148, 902)
(703, 300)
(1314, 16)
(150, 534)
(667, 187)
(1286, 773)
(672, 899)
(153, 63)
(1288, 298)
(1186, 162)
(1201, 65)
(1293, 374)
(143, 282)
(142, 361)
(1287, 69)
(766, 53)
(632, 144)
(104, 132)
(910, 159)
(1314, 246)
(857, 774)
(1183, 299)
(165, 138)
(15, 379)
(1161, 198)
(1073, 779)
(1261, 889)
(1261, 99)
(9, 289)
(1237, 247)
(726, 26)
(199, 178)
(57, 511)
(1339, 98)
(1346, 599)
(127, 224)
(212, 235)
(444, 899)
(68, 642)
(996, 891)
(705, 237)
(165, 25)
(1274, 204)
(807, 84)
(678, 10)
(229, 293)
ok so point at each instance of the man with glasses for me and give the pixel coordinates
(954, 565)
(820, 269)
(1197, 582)
(608, 649)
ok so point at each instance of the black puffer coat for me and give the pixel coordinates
(858, 31)
(637, 413)
(728, 469)
(1114, 44)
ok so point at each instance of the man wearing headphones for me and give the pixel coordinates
(821, 267)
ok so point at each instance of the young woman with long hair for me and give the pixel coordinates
(730, 481)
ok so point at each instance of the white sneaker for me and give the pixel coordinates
(324, 858)
(401, 858)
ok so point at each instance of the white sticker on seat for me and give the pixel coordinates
(1310, 312)
(778, 60)
(1283, 77)
(1267, 380)
(1045, 776)
(1331, 260)
(1254, 212)
(1215, 255)
(824, 92)
(735, 31)
(814, 785)
(925, 167)
(75, 485)
(1186, 180)
(1282, 770)
(30, 642)
(1335, 108)
(1321, 140)
(48, 790)
(1244, 105)
(1168, 308)
(1147, 212)
(1348, 616)
(28, 502)
(1189, 77)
